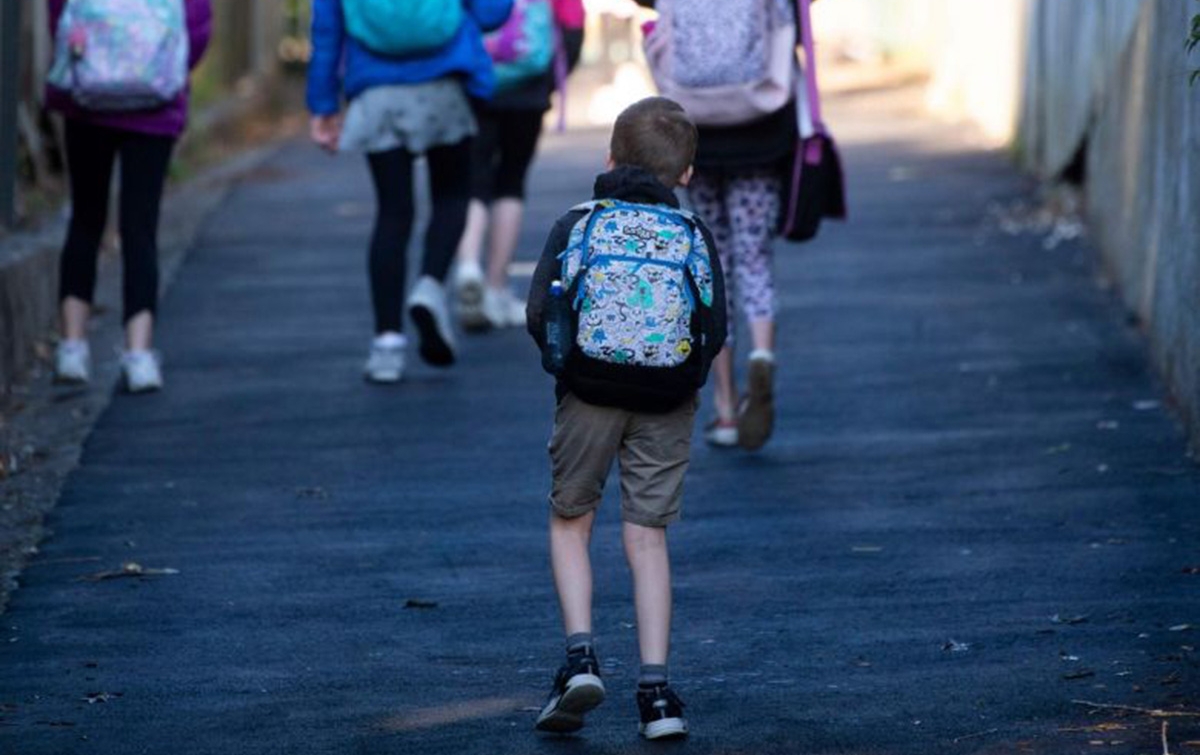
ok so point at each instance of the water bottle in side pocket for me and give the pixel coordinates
(557, 323)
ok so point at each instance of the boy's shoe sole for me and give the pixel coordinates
(757, 417)
(664, 728)
(434, 349)
(564, 714)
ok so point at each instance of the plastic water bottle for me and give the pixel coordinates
(557, 319)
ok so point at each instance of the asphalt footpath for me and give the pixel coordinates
(975, 530)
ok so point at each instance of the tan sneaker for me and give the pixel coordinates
(756, 417)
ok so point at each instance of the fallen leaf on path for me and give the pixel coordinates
(1097, 728)
(1082, 673)
(415, 603)
(128, 569)
(100, 697)
(1058, 618)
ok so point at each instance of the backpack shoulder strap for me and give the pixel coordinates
(574, 257)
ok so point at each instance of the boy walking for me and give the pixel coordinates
(628, 306)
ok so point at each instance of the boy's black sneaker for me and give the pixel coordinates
(661, 711)
(577, 690)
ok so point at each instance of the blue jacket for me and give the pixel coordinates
(340, 63)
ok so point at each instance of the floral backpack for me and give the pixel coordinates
(115, 55)
(641, 282)
(727, 62)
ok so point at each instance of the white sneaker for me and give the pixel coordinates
(386, 361)
(142, 371)
(469, 291)
(427, 307)
(721, 434)
(72, 362)
(503, 309)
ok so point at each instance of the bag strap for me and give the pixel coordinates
(810, 66)
(560, 76)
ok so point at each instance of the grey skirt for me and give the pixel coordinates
(413, 116)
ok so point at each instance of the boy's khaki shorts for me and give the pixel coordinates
(653, 451)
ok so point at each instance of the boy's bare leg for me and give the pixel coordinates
(572, 566)
(646, 549)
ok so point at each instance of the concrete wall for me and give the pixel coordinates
(1072, 52)
(1143, 190)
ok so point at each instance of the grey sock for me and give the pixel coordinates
(652, 674)
(579, 642)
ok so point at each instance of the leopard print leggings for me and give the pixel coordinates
(741, 208)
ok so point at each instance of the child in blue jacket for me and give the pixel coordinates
(401, 107)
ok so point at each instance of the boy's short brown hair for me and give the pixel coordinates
(656, 134)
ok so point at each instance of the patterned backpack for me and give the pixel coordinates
(113, 55)
(526, 45)
(727, 62)
(641, 283)
(402, 28)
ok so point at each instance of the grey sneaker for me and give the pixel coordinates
(385, 364)
(503, 309)
(142, 371)
(427, 307)
(469, 290)
(72, 362)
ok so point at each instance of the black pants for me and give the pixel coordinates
(449, 186)
(91, 152)
(504, 149)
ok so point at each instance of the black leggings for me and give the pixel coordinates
(504, 150)
(449, 187)
(91, 152)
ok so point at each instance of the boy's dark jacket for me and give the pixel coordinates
(627, 184)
